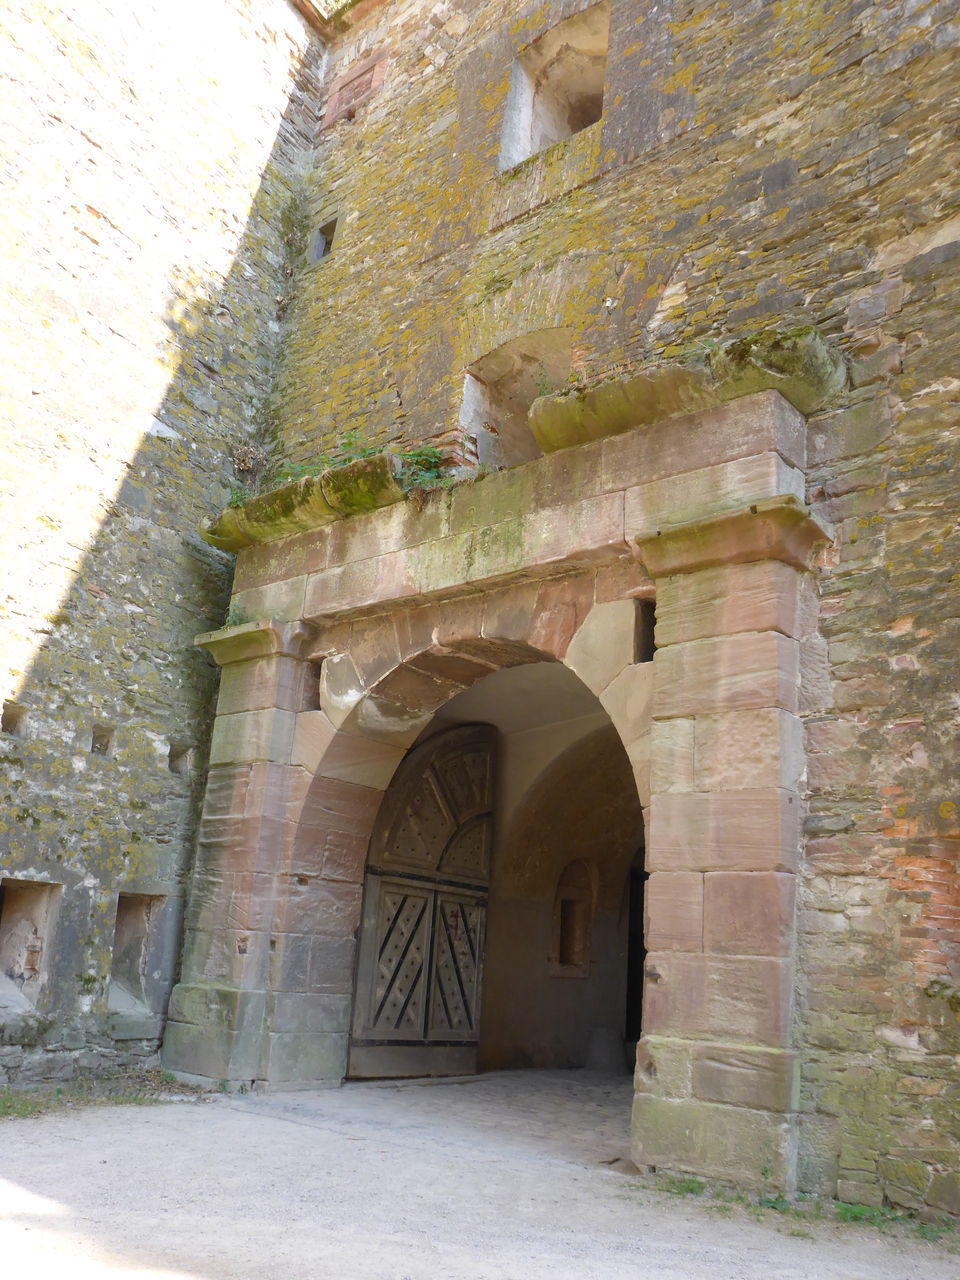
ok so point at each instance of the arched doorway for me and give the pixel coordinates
(496, 924)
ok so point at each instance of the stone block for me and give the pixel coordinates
(756, 669)
(673, 911)
(581, 533)
(328, 907)
(341, 687)
(638, 753)
(305, 1059)
(332, 804)
(707, 491)
(313, 734)
(259, 684)
(664, 1066)
(671, 757)
(562, 605)
(133, 1025)
(359, 584)
(767, 1079)
(604, 644)
(764, 595)
(751, 830)
(628, 698)
(282, 601)
(356, 758)
(252, 735)
(712, 997)
(816, 685)
(300, 1012)
(736, 750)
(734, 1144)
(760, 423)
(332, 964)
(748, 913)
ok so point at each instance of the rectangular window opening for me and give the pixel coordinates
(646, 622)
(13, 719)
(557, 85)
(321, 242)
(101, 740)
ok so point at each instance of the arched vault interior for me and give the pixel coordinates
(567, 831)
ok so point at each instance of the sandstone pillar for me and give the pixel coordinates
(717, 1075)
(218, 1014)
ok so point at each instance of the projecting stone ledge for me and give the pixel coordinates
(797, 362)
(310, 503)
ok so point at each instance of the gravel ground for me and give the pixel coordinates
(513, 1176)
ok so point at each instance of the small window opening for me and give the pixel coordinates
(310, 689)
(321, 242)
(500, 387)
(573, 933)
(26, 917)
(136, 913)
(101, 740)
(645, 645)
(572, 920)
(557, 85)
(13, 719)
(180, 758)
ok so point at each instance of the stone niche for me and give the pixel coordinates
(27, 914)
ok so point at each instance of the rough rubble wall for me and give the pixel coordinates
(757, 163)
(152, 151)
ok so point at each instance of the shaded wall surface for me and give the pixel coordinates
(580, 817)
(149, 154)
(764, 164)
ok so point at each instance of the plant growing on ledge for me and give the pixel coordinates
(422, 469)
(348, 448)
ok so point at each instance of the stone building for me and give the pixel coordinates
(575, 385)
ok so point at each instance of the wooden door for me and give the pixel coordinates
(417, 998)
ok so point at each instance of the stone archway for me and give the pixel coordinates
(403, 611)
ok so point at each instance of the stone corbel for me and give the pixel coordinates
(264, 639)
(779, 528)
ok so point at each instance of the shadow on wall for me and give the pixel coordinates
(559, 907)
(105, 736)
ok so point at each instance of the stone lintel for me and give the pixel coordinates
(249, 640)
(778, 528)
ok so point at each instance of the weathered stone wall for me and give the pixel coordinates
(763, 163)
(151, 161)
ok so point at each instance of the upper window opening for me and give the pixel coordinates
(321, 242)
(557, 85)
(500, 387)
(13, 719)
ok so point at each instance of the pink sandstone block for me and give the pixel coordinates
(748, 913)
(750, 830)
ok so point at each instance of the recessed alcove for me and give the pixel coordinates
(26, 917)
(556, 85)
(500, 387)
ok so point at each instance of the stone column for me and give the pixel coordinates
(218, 1014)
(717, 1074)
